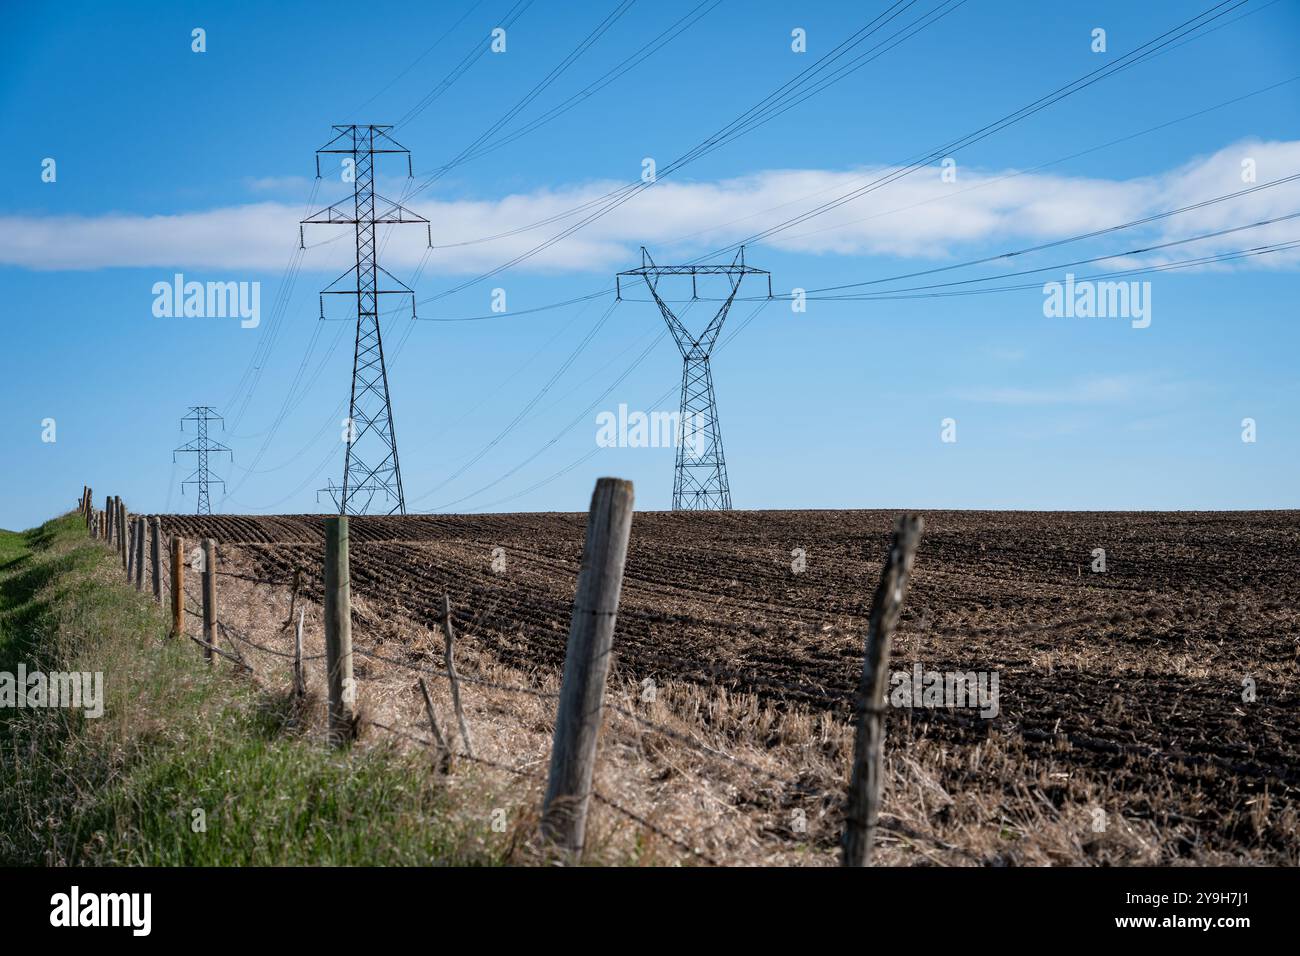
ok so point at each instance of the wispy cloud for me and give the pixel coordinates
(920, 217)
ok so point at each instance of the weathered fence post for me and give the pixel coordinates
(299, 681)
(142, 524)
(178, 585)
(586, 665)
(210, 598)
(863, 804)
(110, 512)
(338, 633)
(155, 546)
(293, 596)
(122, 516)
(132, 548)
(450, 647)
(129, 554)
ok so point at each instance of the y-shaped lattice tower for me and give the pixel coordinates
(700, 480)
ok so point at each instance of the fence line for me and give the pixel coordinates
(581, 698)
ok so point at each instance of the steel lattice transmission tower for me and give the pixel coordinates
(336, 491)
(370, 464)
(700, 479)
(202, 446)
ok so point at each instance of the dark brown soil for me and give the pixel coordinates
(1129, 681)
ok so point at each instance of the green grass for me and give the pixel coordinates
(177, 737)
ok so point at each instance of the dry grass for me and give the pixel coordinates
(721, 777)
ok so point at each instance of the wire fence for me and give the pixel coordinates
(235, 638)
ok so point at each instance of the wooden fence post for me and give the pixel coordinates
(210, 598)
(338, 633)
(110, 512)
(586, 665)
(863, 804)
(122, 516)
(299, 681)
(139, 552)
(450, 647)
(155, 546)
(178, 585)
(129, 555)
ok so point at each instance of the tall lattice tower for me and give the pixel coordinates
(202, 446)
(700, 479)
(370, 464)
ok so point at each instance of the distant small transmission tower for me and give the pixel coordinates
(336, 491)
(202, 446)
(370, 465)
(700, 480)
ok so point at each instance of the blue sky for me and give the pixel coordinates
(168, 161)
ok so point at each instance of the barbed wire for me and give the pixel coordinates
(434, 672)
(231, 631)
(595, 794)
(270, 582)
(234, 658)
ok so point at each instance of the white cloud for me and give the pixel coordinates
(918, 217)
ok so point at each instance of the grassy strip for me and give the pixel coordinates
(181, 744)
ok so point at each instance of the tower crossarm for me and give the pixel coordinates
(343, 213)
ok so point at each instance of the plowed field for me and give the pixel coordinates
(1166, 682)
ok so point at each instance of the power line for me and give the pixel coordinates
(262, 353)
(450, 30)
(940, 198)
(774, 100)
(625, 193)
(663, 398)
(1113, 255)
(689, 20)
(473, 56)
(921, 291)
(530, 405)
(1130, 59)
(538, 88)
